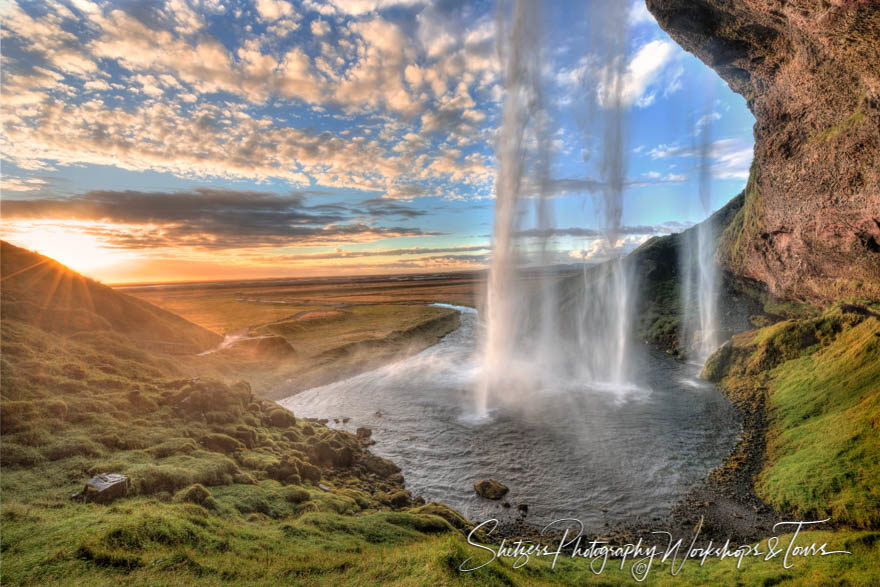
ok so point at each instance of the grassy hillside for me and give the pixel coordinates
(820, 379)
(228, 488)
(40, 291)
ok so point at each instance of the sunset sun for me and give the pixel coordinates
(70, 244)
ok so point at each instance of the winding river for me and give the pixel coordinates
(573, 451)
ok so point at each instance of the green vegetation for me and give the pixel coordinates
(848, 123)
(228, 488)
(744, 227)
(822, 380)
(327, 330)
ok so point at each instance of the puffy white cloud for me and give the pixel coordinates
(638, 14)
(320, 28)
(359, 7)
(728, 158)
(272, 10)
(639, 82)
(21, 184)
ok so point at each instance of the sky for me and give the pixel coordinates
(148, 141)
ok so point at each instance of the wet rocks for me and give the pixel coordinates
(490, 489)
(104, 488)
(364, 433)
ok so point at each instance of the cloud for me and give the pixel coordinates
(272, 10)
(599, 250)
(638, 14)
(21, 184)
(150, 88)
(581, 232)
(215, 219)
(320, 28)
(730, 158)
(360, 7)
(640, 80)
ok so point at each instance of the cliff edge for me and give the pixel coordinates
(810, 73)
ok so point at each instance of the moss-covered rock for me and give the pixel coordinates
(490, 489)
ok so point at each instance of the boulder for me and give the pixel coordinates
(104, 488)
(490, 489)
(364, 433)
(380, 467)
(400, 499)
(280, 418)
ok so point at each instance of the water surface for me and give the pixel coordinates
(577, 450)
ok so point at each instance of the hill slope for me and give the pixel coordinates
(42, 292)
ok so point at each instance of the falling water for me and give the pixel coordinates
(521, 56)
(700, 281)
(522, 348)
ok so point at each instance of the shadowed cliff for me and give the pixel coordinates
(810, 73)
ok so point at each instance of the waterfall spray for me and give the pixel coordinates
(700, 281)
(521, 59)
(523, 346)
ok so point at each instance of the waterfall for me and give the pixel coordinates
(700, 279)
(523, 347)
(521, 59)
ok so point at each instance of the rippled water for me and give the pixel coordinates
(592, 452)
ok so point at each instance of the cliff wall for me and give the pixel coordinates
(810, 72)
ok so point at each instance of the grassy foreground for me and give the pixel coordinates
(227, 488)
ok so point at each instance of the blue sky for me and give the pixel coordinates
(218, 138)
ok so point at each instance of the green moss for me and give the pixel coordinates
(823, 410)
(824, 446)
(845, 126)
(745, 226)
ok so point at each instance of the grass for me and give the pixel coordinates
(227, 488)
(337, 329)
(824, 443)
(745, 226)
(823, 410)
(145, 542)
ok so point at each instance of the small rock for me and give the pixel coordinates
(505, 504)
(490, 489)
(364, 433)
(523, 507)
(345, 420)
(378, 413)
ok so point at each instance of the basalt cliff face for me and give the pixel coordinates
(810, 72)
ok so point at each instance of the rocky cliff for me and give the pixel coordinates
(810, 72)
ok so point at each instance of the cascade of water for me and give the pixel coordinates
(700, 283)
(521, 58)
(522, 342)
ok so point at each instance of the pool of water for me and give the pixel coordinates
(577, 449)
